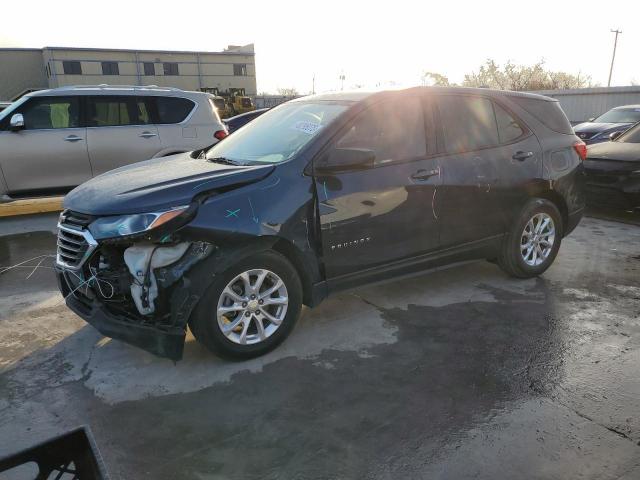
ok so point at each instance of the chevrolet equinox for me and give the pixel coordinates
(317, 195)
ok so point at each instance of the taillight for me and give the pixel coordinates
(220, 134)
(581, 149)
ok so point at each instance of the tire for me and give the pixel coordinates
(207, 323)
(519, 256)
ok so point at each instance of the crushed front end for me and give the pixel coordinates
(136, 287)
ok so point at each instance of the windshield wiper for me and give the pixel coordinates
(226, 161)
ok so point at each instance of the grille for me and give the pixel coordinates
(75, 219)
(75, 243)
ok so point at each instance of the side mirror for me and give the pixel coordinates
(346, 159)
(591, 119)
(614, 135)
(16, 123)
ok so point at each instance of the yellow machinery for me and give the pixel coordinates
(236, 102)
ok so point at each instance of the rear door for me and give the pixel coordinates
(376, 215)
(468, 204)
(120, 131)
(50, 153)
(519, 162)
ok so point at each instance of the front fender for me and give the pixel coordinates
(276, 212)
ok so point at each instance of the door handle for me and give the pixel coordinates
(72, 138)
(148, 135)
(522, 156)
(425, 174)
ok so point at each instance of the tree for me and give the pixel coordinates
(435, 79)
(288, 92)
(523, 77)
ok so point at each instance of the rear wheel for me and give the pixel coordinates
(250, 308)
(534, 241)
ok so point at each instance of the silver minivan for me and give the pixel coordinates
(54, 140)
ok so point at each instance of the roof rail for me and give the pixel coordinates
(106, 86)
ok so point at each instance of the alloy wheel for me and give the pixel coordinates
(252, 306)
(537, 240)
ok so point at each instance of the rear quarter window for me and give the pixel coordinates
(548, 112)
(173, 109)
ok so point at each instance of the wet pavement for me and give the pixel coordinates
(461, 373)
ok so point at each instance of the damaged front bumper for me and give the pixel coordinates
(167, 342)
(178, 285)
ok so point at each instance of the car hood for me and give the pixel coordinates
(615, 151)
(591, 127)
(158, 184)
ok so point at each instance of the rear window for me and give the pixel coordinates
(548, 112)
(173, 109)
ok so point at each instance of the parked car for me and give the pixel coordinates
(234, 123)
(53, 140)
(613, 171)
(600, 129)
(317, 195)
(4, 105)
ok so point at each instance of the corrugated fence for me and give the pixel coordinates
(584, 103)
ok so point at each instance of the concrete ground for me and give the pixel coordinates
(462, 373)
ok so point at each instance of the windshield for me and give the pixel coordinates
(622, 115)
(277, 135)
(630, 136)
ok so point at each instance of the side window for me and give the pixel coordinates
(149, 68)
(50, 112)
(170, 68)
(468, 123)
(508, 127)
(111, 111)
(143, 108)
(239, 69)
(71, 67)
(173, 109)
(394, 130)
(110, 68)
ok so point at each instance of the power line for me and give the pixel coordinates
(613, 57)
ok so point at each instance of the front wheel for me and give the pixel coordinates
(250, 308)
(533, 243)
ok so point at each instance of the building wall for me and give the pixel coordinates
(584, 103)
(20, 70)
(196, 70)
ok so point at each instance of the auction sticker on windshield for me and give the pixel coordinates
(306, 127)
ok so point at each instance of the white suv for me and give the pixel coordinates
(53, 140)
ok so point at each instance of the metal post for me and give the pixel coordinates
(138, 76)
(199, 72)
(613, 57)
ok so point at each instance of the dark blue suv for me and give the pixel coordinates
(315, 196)
(599, 129)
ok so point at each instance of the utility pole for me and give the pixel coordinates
(313, 84)
(613, 57)
(342, 78)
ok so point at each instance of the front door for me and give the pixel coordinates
(50, 153)
(120, 131)
(374, 214)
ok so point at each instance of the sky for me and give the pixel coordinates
(373, 44)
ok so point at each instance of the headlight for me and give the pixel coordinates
(123, 225)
